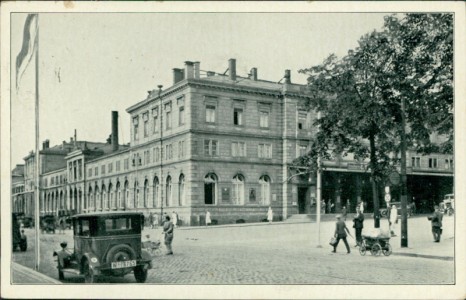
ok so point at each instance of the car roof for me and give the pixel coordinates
(108, 214)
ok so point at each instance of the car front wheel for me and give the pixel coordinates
(89, 276)
(140, 274)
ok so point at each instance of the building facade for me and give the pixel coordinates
(217, 143)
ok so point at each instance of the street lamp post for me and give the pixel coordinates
(404, 204)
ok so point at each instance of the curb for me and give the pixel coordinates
(447, 258)
(32, 275)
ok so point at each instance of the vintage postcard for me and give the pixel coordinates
(233, 150)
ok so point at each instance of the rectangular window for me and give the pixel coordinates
(102, 169)
(302, 120)
(238, 116)
(181, 149)
(168, 151)
(416, 162)
(157, 154)
(155, 120)
(210, 147)
(210, 114)
(265, 151)
(181, 115)
(168, 120)
(302, 150)
(145, 118)
(264, 119)
(126, 163)
(117, 166)
(238, 149)
(110, 168)
(432, 163)
(136, 128)
(96, 171)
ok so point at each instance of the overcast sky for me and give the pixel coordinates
(93, 63)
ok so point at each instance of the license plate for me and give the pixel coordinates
(123, 264)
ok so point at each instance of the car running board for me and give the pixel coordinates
(73, 271)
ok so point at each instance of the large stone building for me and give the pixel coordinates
(222, 143)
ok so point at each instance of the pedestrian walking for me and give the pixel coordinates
(62, 225)
(340, 234)
(270, 215)
(348, 205)
(331, 205)
(155, 221)
(323, 207)
(393, 220)
(358, 225)
(207, 218)
(168, 229)
(343, 213)
(362, 206)
(175, 219)
(436, 221)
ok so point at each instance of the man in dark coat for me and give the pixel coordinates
(436, 220)
(358, 225)
(340, 233)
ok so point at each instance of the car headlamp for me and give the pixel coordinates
(94, 259)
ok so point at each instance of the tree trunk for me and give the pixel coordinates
(375, 192)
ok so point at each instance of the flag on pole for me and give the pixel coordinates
(28, 47)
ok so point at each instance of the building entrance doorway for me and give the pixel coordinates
(302, 200)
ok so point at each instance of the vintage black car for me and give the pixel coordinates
(105, 243)
(18, 237)
(48, 223)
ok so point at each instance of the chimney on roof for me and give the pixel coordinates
(287, 76)
(254, 74)
(75, 138)
(189, 66)
(114, 130)
(197, 70)
(232, 68)
(178, 75)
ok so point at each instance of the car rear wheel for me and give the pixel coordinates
(140, 274)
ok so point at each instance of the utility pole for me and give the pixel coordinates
(404, 204)
(161, 152)
(319, 193)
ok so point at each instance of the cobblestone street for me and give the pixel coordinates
(280, 253)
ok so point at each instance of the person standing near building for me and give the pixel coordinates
(174, 219)
(361, 207)
(340, 233)
(358, 225)
(323, 207)
(168, 229)
(207, 218)
(330, 206)
(270, 215)
(344, 213)
(436, 221)
(393, 220)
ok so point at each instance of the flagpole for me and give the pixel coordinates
(37, 157)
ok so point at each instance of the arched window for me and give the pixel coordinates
(126, 200)
(264, 182)
(111, 198)
(168, 200)
(118, 196)
(155, 194)
(97, 199)
(104, 198)
(146, 193)
(210, 189)
(181, 190)
(90, 198)
(136, 195)
(238, 190)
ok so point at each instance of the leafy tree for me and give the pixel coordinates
(360, 95)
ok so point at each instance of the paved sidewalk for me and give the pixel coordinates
(420, 241)
(23, 275)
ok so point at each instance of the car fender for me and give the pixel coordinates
(145, 255)
(93, 261)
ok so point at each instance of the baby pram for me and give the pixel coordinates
(154, 248)
(376, 243)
